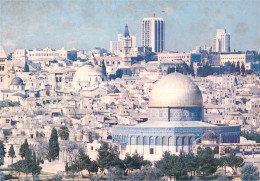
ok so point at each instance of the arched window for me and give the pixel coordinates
(177, 143)
(164, 141)
(132, 139)
(138, 140)
(171, 140)
(183, 140)
(157, 141)
(151, 140)
(145, 140)
(190, 140)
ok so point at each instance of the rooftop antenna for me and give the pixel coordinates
(154, 14)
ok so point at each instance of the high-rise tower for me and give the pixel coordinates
(222, 41)
(153, 33)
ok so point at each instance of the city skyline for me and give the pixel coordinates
(30, 24)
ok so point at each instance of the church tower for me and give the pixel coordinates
(3, 68)
(126, 39)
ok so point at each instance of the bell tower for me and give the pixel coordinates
(3, 68)
(126, 39)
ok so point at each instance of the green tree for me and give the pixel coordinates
(93, 167)
(223, 163)
(135, 161)
(205, 70)
(108, 156)
(83, 161)
(66, 167)
(253, 136)
(191, 70)
(28, 165)
(234, 161)
(170, 70)
(35, 169)
(2, 153)
(23, 165)
(172, 166)
(238, 68)
(10, 56)
(119, 73)
(207, 164)
(64, 133)
(235, 80)
(183, 68)
(250, 173)
(104, 71)
(145, 174)
(233, 67)
(26, 67)
(11, 152)
(114, 174)
(24, 148)
(190, 161)
(243, 69)
(54, 148)
(149, 56)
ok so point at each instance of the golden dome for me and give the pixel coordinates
(175, 90)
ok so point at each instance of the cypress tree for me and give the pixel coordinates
(64, 133)
(119, 73)
(54, 148)
(2, 153)
(243, 69)
(104, 68)
(238, 68)
(36, 169)
(26, 67)
(191, 70)
(11, 152)
(233, 67)
(24, 148)
(67, 167)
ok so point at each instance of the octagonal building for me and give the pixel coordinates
(175, 122)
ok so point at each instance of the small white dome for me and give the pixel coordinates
(83, 73)
(175, 90)
(87, 75)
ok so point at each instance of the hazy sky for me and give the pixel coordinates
(85, 24)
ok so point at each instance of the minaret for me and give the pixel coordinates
(126, 33)
(126, 47)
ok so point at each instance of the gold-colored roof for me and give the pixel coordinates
(175, 90)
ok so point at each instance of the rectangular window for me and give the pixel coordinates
(151, 151)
